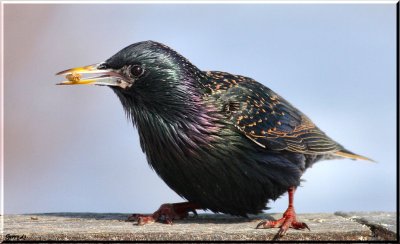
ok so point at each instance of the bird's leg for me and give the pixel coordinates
(166, 213)
(287, 221)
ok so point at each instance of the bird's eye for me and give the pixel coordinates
(137, 70)
(102, 66)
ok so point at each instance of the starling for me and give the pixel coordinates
(223, 142)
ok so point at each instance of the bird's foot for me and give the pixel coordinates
(287, 221)
(166, 213)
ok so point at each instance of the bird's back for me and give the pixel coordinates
(267, 119)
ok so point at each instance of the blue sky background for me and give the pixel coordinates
(71, 148)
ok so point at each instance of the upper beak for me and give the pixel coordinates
(106, 77)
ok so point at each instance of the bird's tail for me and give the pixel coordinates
(347, 154)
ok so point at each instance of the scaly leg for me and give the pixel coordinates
(287, 221)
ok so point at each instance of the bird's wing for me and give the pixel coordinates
(268, 119)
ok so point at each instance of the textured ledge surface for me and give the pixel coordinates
(112, 226)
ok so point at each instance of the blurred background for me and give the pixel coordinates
(71, 149)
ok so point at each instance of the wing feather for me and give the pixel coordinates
(268, 119)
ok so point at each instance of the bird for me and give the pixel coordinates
(222, 142)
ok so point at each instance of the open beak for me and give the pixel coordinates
(102, 77)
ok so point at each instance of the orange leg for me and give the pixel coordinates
(288, 220)
(166, 213)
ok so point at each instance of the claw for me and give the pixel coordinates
(165, 214)
(270, 224)
(133, 218)
(265, 225)
(141, 219)
(281, 232)
(300, 226)
(262, 223)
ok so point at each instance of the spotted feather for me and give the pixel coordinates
(266, 118)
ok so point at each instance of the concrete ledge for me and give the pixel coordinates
(104, 226)
(382, 224)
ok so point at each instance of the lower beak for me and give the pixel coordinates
(104, 77)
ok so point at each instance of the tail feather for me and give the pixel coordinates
(347, 154)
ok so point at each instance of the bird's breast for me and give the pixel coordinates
(207, 161)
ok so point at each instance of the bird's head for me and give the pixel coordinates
(146, 73)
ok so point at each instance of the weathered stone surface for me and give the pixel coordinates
(103, 226)
(382, 224)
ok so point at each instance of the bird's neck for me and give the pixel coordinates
(185, 114)
(169, 135)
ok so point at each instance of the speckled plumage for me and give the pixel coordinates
(223, 141)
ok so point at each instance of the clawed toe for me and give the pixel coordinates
(261, 225)
(141, 219)
(133, 217)
(269, 224)
(288, 220)
(166, 213)
(283, 224)
(300, 226)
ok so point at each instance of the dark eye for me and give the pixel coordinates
(102, 66)
(137, 70)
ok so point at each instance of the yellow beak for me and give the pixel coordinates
(106, 77)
